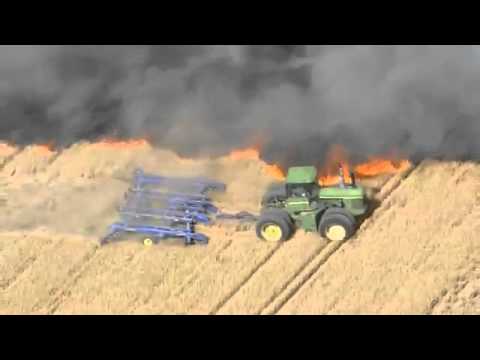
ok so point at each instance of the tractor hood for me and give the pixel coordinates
(341, 193)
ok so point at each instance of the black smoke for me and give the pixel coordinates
(419, 101)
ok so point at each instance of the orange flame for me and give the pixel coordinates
(117, 144)
(275, 172)
(373, 167)
(336, 156)
(6, 149)
(377, 167)
(245, 154)
(45, 149)
(329, 174)
(272, 170)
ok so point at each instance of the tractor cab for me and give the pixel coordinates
(302, 182)
(301, 189)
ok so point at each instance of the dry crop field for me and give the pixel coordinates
(418, 252)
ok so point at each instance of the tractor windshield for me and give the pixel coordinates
(301, 190)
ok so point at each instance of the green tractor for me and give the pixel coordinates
(302, 203)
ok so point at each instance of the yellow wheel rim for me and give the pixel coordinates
(272, 233)
(148, 242)
(336, 233)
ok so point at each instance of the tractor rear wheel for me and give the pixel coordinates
(274, 226)
(337, 224)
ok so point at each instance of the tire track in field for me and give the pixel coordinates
(22, 261)
(53, 158)
(73, 276)
(300, 278)
(216, 279)
(31, 259)
(257, 290)
(196, 272)
(464, 279)
(8, 159)
(65, 295)
(45, 305)
(23, 272)
(254, 270)
(449, 294)
(18, 272)
(196, 269)
(42, 279)
(240, 277)
(100, 263)
(189, 274)
(28, 162)
(313, 265)
(462, 298)
(123, 275)
(424, 258)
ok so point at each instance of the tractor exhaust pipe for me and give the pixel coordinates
(354, 180)
(341, 176)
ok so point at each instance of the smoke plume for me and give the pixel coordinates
(295, 100)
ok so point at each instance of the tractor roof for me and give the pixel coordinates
(302, 175)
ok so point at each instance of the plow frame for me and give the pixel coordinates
(179, 209)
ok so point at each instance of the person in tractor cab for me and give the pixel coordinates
(303, 190)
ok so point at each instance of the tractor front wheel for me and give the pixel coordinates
(337, 225)
(274, 226)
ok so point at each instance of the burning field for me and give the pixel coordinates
(417, 253)
(76, 121)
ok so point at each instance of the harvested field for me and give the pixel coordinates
(418, 252)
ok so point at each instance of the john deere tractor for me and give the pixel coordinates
(302, 203)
